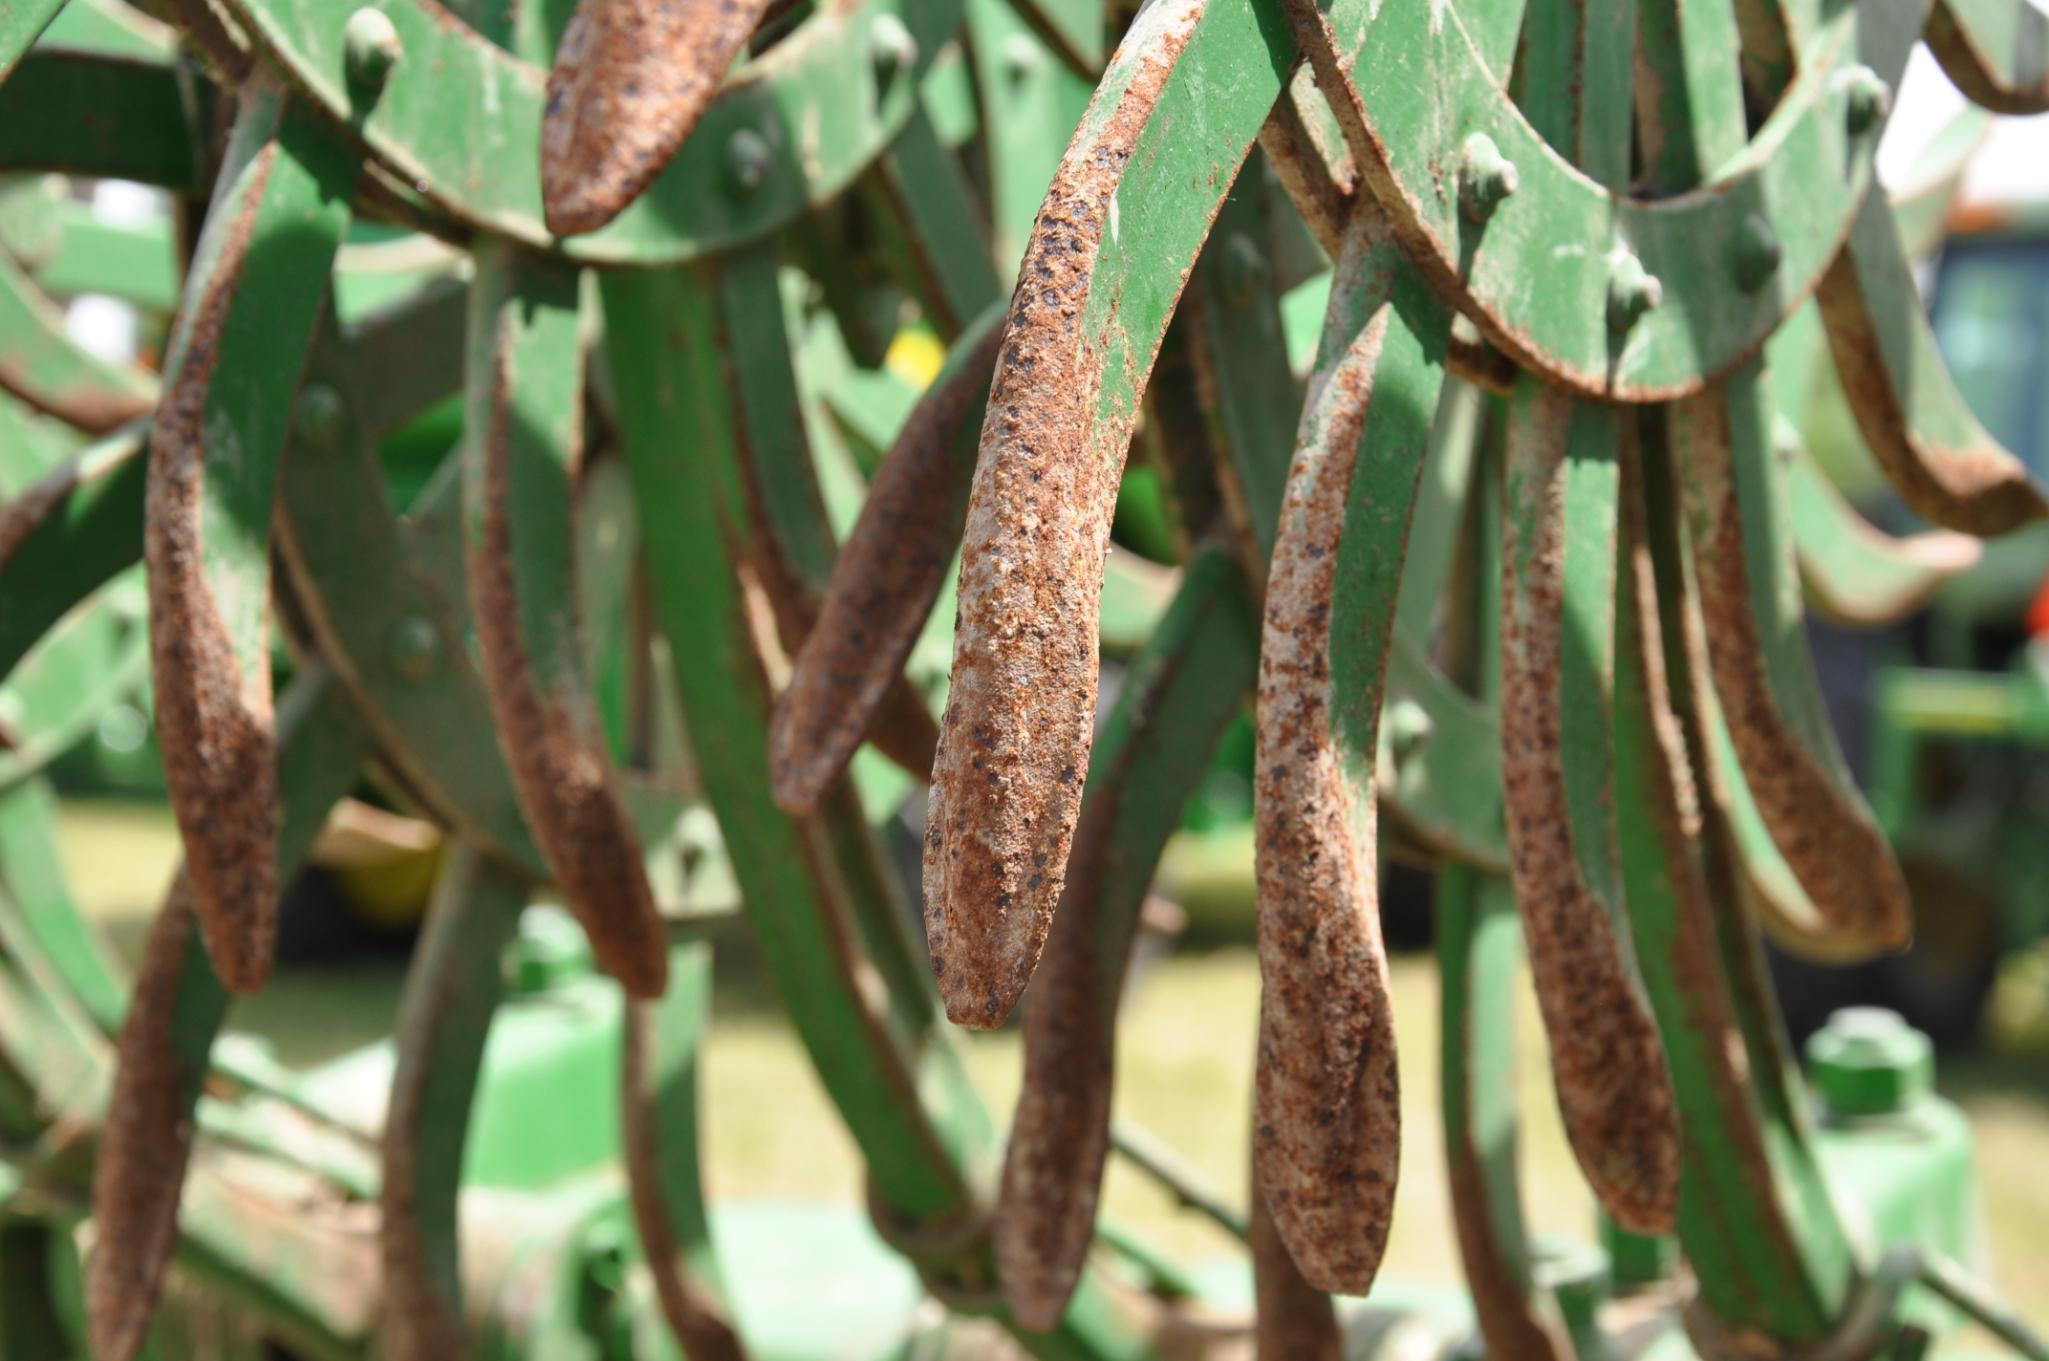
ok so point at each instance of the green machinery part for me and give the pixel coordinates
(602, 436)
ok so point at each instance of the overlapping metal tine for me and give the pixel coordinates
(1855, 572)
(1183, 689)
(791, 556)
(1085, 325)
(1945, 465)
(1749, 598)
(256, 286)
(658, 1131)
(1766, 1256)
(381, 597)
(1558, 589)
(1479, 944)
(1327, 1130)
(886, 577)
(1293, 1320)
(521, 451)
(63, 537)
(174, 1011)
(451, 992)
(1306, 148)
(45, 367)
(1995, 51)
(897, 1083)
(1557, 651)
(630, 80)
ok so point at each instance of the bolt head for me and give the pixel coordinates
(1869, 1061)
(1758, 253)
(1632, 291)
(414, 648)
(319, 416)
(1408, 728)
(1486, 178)
(748, 159)
(1866, 99)
(891, 46)
(370, 48)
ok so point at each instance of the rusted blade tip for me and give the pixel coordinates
(975, 1008)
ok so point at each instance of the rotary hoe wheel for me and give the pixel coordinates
(1512, 580)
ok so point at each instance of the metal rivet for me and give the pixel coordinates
(1022, 55)
(1244, 269)
(370, 48)
(1409, 727)
(891, 47)
(1866, 98)
(319, 415)
(747, 160)
(414, 649)
(1485, 177)
(1632, 291)
(1757, 253)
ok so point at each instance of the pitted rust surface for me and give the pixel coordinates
(556, 753)
(144, 1149)
(1614, 1090)
(1060, 1135)
(1294, 1321)
(1014, 742)
(694, 1314)
(1823, 830)
(215, 724)
(1979, 488)
(1326, 1143)
(884, 581)
(631, 79)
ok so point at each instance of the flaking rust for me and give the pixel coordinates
(1327, 1128)
(694, 1314)
(884, 581)
(1614, 1090)
(1822, 828)
(1015, 739)
(553, 746)
(214, 716)
(631, 78)
(144, 1148)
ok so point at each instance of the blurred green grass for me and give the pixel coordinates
(1184, 1072)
